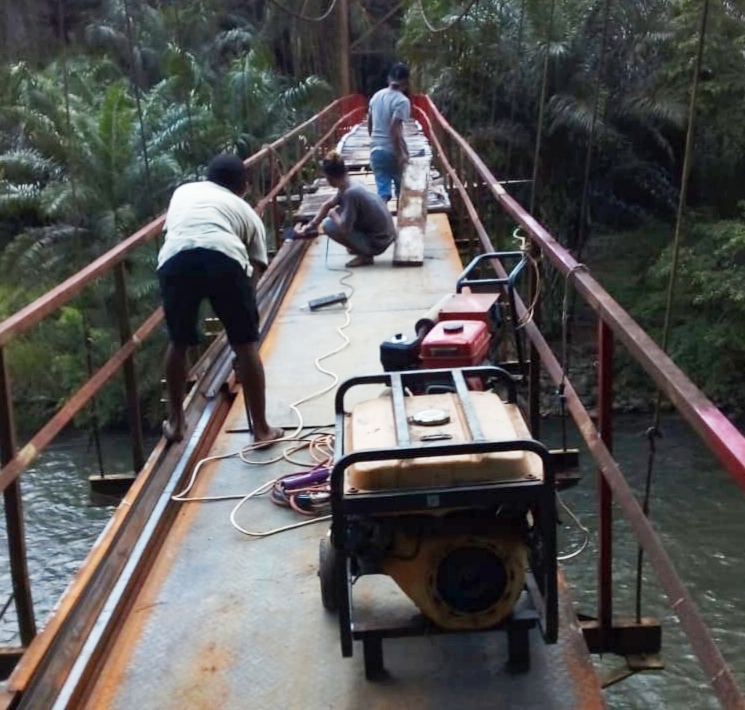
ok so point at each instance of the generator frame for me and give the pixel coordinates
(537, 604)
(510, 283)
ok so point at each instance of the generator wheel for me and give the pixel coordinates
(327, 574)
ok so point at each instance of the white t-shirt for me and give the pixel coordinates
(386, 105)
(208, 216)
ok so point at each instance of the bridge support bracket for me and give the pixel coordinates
(627, 636)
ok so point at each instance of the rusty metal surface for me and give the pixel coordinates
(355, 149)
(65, 415)
(721, 436)
(355, 145)
(239, 623)
(63, 657)
(232, 622)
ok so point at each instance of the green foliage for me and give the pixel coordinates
(92, 145)
(720, 132)
(707, 340)
(486, 72)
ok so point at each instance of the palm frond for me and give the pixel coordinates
(27, 165)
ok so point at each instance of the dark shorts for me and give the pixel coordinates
(189, 277)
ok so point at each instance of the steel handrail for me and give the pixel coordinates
(32, 314)
(710, 657)
(724, 440)
(14, 461)
(36, 311)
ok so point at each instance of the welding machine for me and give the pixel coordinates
(449, 496)
(478, 307)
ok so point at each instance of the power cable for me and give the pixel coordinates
(317, 441)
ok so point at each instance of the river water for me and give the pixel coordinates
(697, 510)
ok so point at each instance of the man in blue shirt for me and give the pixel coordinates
(388, 110)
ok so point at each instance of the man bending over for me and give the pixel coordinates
(215, 248)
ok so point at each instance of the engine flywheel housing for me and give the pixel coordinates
(461, 581)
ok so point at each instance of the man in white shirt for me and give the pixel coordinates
(388, 110)
(215, 248)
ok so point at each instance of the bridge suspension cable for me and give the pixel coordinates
(653, 432)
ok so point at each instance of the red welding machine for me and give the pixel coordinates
(454, 343)
(471, 306)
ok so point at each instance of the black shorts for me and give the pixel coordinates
(189, 277)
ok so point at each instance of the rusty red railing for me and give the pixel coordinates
(716, 431)
(269, 180)
(469, 178)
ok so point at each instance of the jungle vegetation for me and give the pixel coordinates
(107, 105)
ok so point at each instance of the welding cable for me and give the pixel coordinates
(294, 406)
(578, 523)
(181, 496)
(264, 488)
(343, 281)
(527, 316)
(320, 446)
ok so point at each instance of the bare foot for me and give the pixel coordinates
(268, 438)
(173, 433)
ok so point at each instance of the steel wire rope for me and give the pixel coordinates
(584, 201)
(87, 339)
(581, 235)
(136, 67)
(534, 374)
(514, 87)
(179, 34)
(303, 17)
(450, 25)
(653, 432)
(562, 405)
(542, 107)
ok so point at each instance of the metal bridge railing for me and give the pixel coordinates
(270, 179)
(480, 193)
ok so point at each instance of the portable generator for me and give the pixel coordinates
(464, 328)
(449, 496)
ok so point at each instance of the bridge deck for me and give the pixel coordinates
(355, 149)
(226, 621)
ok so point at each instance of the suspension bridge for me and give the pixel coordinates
(183, 602)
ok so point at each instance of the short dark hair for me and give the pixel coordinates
(334, 166)
(399, 72)
(228, 170)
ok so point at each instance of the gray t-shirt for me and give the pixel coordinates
(386, 105)
(363, 211)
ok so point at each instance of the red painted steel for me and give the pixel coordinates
(714, 428)
(605, 497)
(35, 312)
(702, 642)
(271, 196)
(64, 416)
